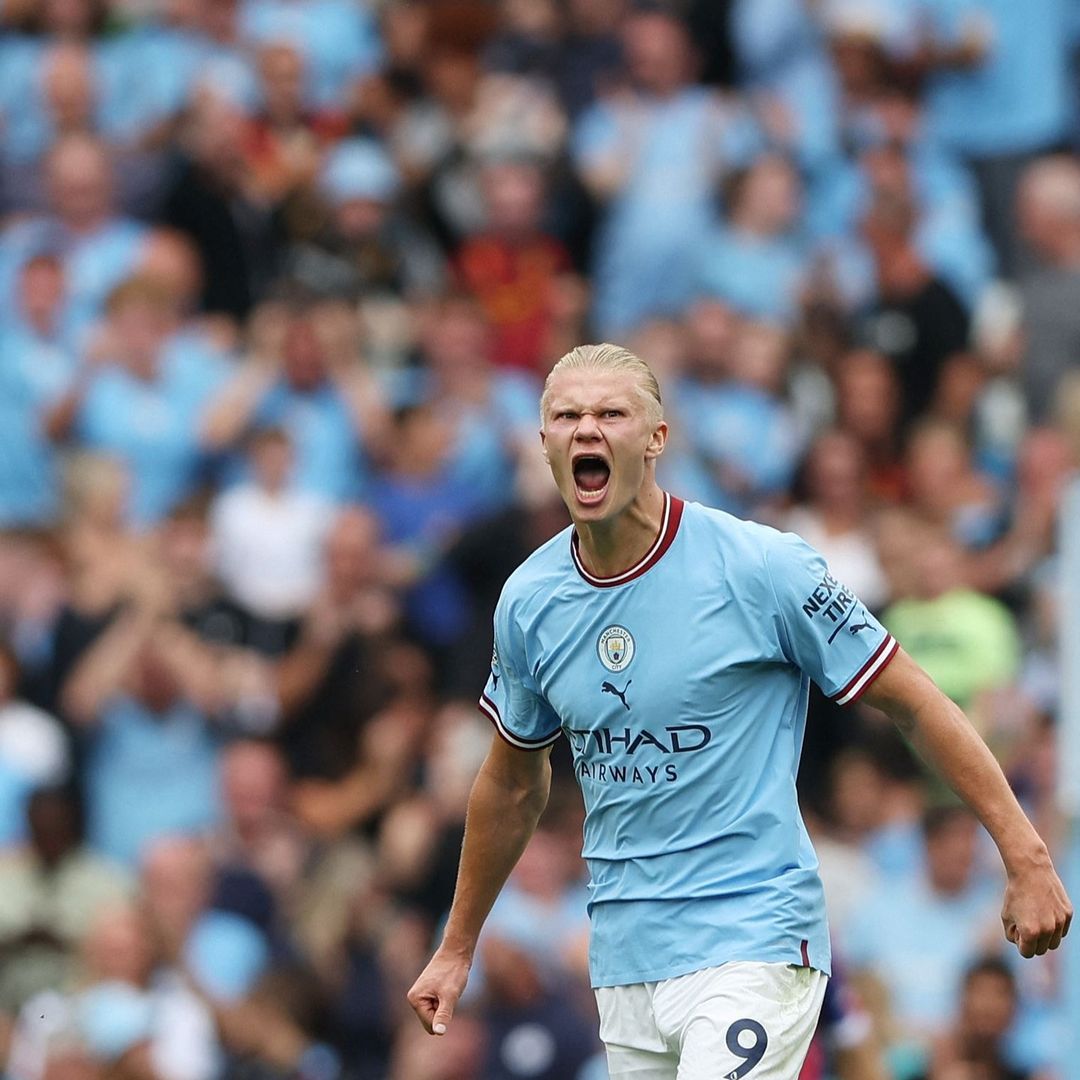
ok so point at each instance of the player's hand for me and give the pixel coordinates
(434, 995)
(1037, 911)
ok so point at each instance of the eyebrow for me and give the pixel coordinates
(569, 404)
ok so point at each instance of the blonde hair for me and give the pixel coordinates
(608, 357)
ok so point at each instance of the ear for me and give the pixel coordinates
(543, 444)
(657, 442)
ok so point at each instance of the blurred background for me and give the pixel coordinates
(279, 282)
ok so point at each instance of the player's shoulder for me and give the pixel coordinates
(753, 556)
(751, 541)
(546, 569)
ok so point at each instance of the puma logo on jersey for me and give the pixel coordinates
(610, 688)
(854, 629)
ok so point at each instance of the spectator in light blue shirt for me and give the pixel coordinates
(98, 249)
(896, 162)
(783, 58)
(119, 90)
(338, 37)
(329, 459)
(543, 909)
(654, 156)
(36, 366)
(144, 705)
(170, 57)
(1015, 99)
(26, 128)
(490, 414)
(31, 69)
(918, 937)
(740, 443)
(754, 262)
(150, 772)
(940, 179)
(141, 396)
(322, 397)
(158, 60)
(422, 506)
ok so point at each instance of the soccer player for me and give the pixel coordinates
(673, 646)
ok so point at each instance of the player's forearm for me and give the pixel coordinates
(502, 815)
(945, 739)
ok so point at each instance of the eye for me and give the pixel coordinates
(566, 414)
(612, 414)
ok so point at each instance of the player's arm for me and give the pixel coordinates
(507, 799)
(1036, 912)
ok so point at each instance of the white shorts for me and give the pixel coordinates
(738, 1020)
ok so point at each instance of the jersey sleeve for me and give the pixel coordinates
(511, 700)
(824, 628)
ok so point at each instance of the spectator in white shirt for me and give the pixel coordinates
(268, 536)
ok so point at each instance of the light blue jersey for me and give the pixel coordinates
(682, 685)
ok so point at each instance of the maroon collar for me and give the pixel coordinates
(669, 526)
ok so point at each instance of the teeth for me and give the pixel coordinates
(590, 496)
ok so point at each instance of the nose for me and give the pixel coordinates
(587, 428)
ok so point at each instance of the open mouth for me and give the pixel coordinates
(591, 476)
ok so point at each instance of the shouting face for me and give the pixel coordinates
(601, 436)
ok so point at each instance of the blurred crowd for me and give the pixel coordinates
(279, 282)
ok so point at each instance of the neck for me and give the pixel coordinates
(609, 547)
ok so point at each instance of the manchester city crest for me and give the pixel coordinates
(615, 648)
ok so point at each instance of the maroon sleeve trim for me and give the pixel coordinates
(858, 684)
